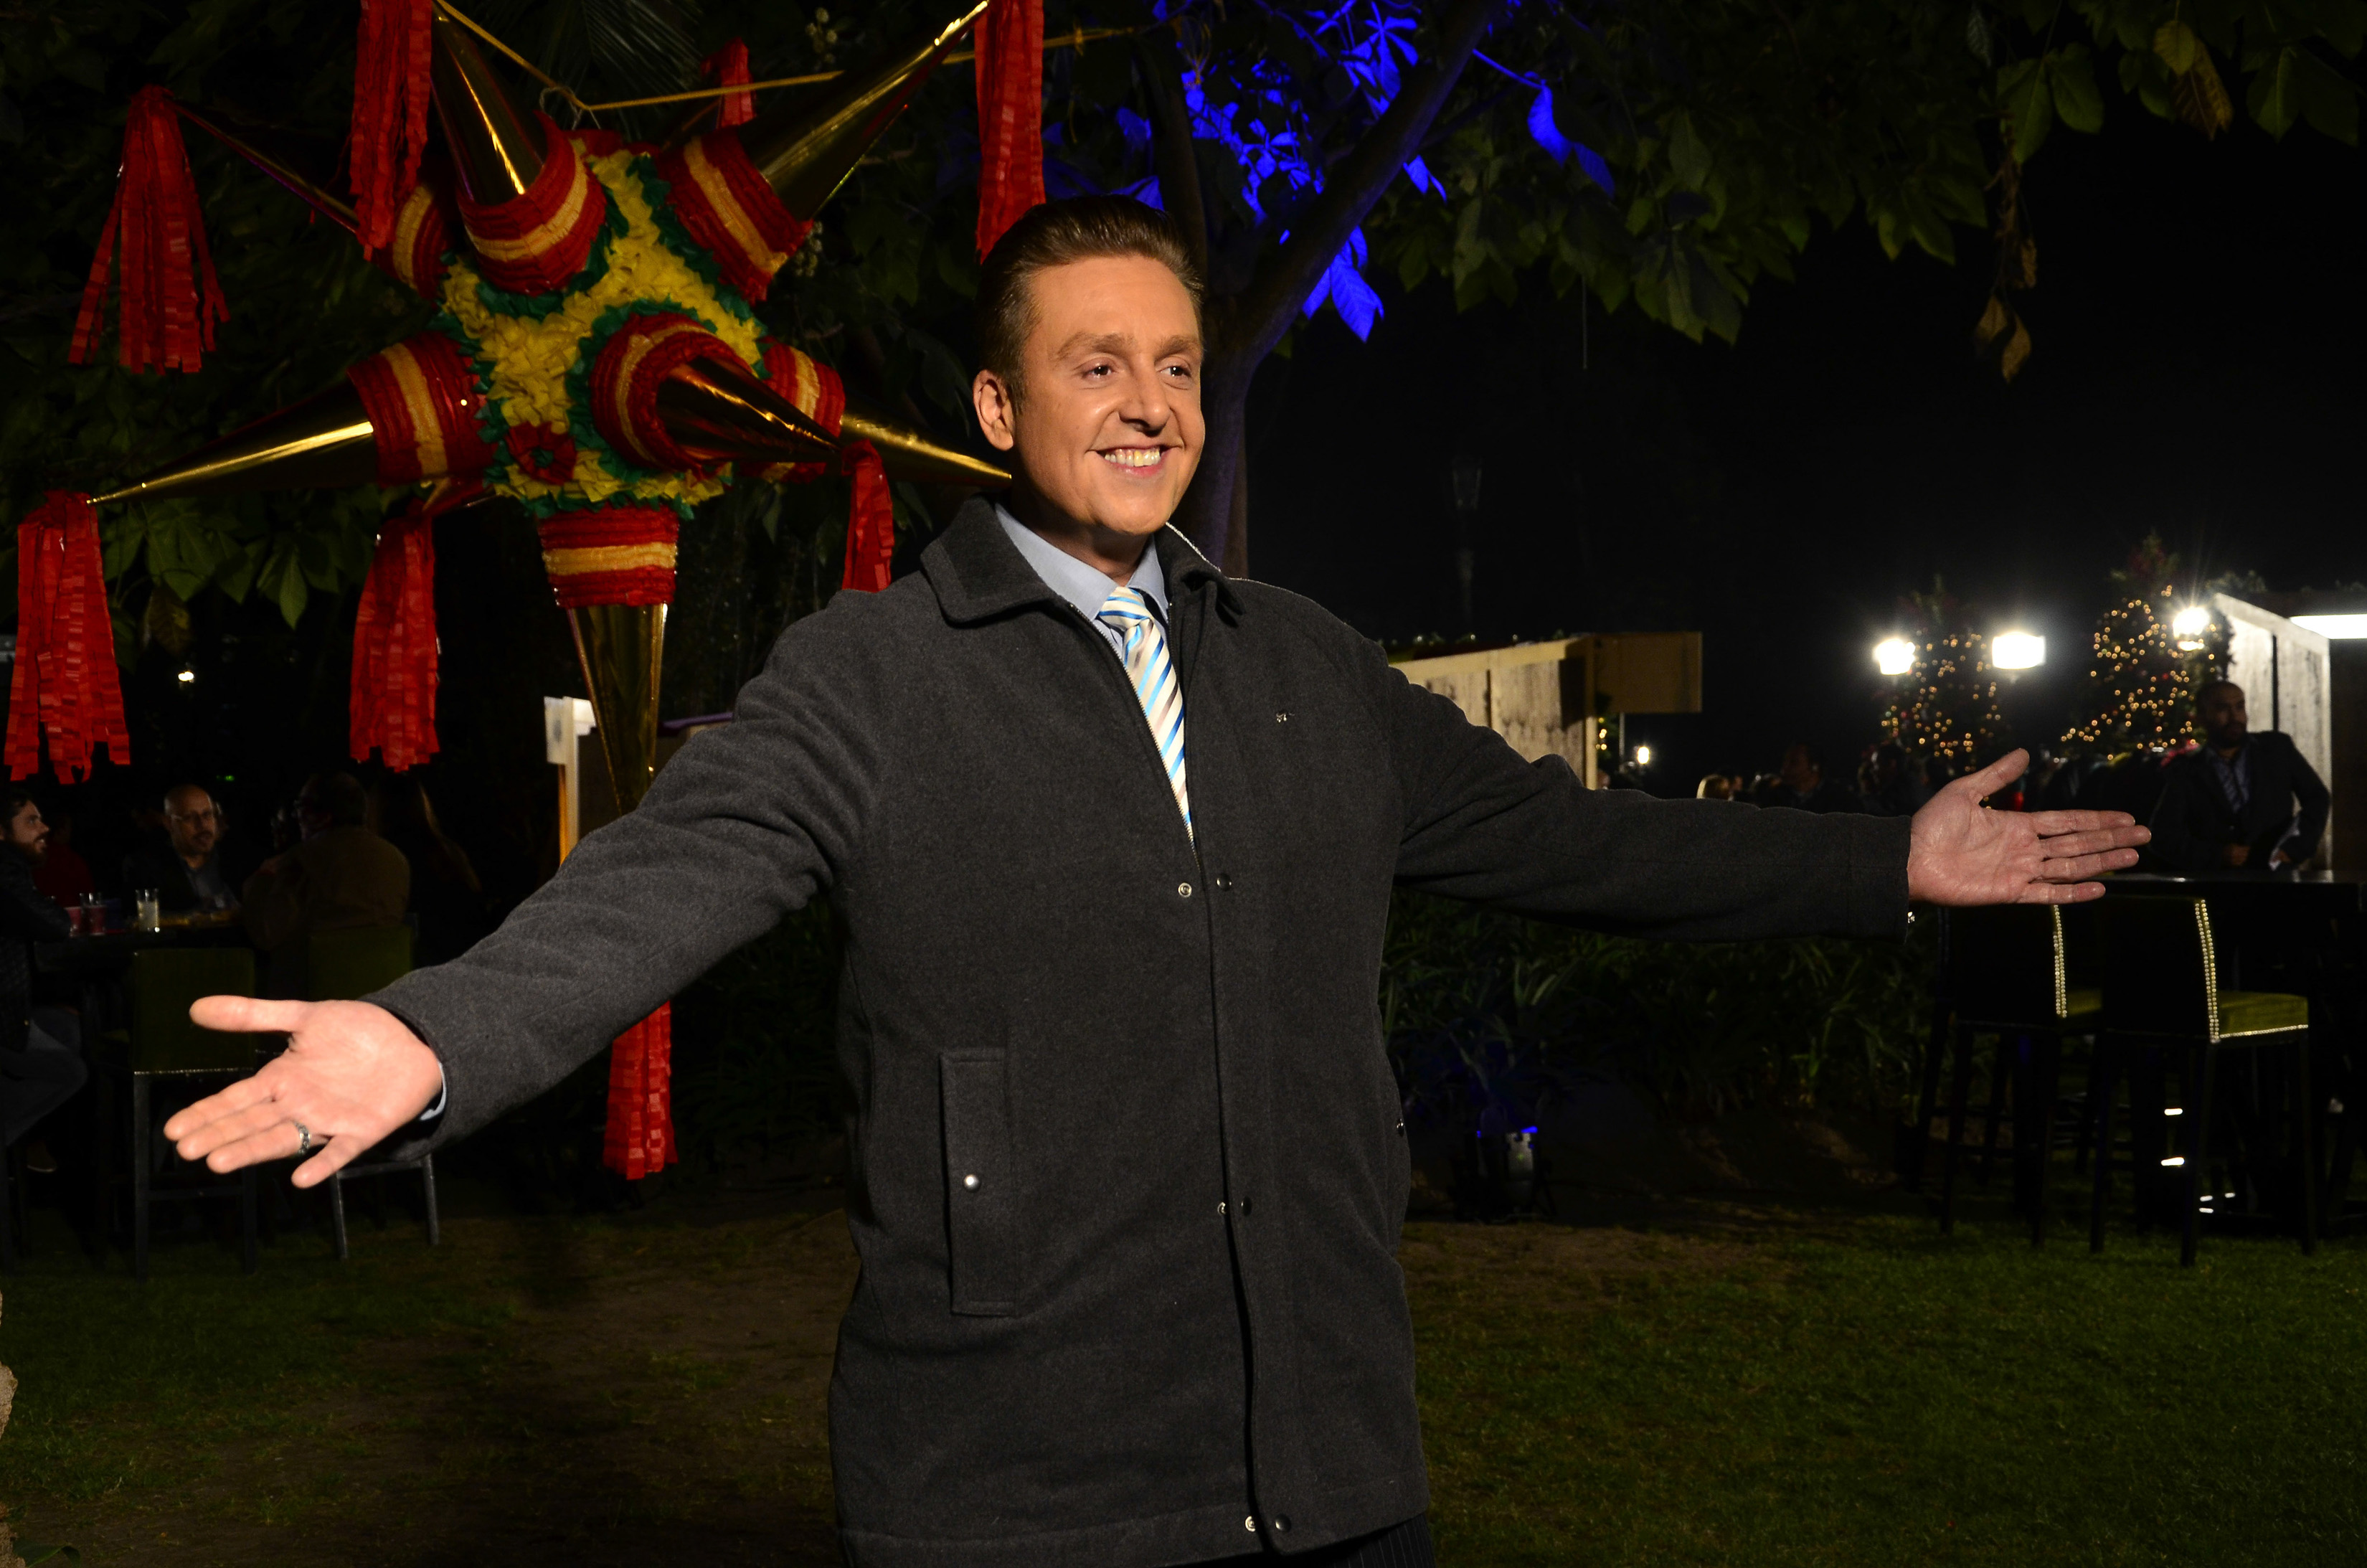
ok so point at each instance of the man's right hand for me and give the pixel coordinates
(352, 1074)
(2232, 855)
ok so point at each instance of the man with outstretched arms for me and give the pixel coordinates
(1112, 836)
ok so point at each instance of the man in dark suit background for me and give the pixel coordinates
(188, 866)
(2231, 804)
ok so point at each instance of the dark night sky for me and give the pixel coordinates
(2198, 371)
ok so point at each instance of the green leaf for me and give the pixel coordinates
(282, 578)
(2071, 82)
(2328, 101)
(2028, 105)
(1688, 155)
(2178, 45)
(2275, 98)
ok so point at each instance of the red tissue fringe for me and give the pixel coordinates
(727, 67)
(1009, 39)
(392, 706)
(171, 300)
(639, 1140)
(64, 687)
(390, 98)
(815, 388)
(870, 520)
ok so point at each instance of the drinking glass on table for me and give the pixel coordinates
(88, 919)
(150, 915)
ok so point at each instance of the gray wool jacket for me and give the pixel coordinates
(1127, 1159)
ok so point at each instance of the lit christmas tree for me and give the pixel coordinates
(2147, 669)
(1945, 705)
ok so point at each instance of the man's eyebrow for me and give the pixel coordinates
(1122, 343)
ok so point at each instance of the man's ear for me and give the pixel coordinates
(997, 409)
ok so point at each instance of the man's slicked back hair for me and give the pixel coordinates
(1081, 228)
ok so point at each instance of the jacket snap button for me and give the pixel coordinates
(970, 1182)
(1250, 1524)
(1225, 880)
(1282, 718)
(1183, 889)
(1400, 1129)
(1245, 1208)
(1281, 1524)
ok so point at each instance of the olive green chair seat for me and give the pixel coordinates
(164, 1044)
(343, 966)
(2163, 1000)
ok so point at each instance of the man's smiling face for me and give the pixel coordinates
(1105, 421)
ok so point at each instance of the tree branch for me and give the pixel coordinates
(1268, 306)
(1172, 152)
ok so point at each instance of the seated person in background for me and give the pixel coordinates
(1801, 784)
(41, 1063)
(2231, 803)
(1714, 787)
(445, 892)
(185, 867)
(63, 876)
(341, 877)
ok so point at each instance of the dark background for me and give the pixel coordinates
(2199, 342)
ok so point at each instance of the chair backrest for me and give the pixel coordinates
(2160, 969)
(2005, 964)
(164, 980)
(340, 966)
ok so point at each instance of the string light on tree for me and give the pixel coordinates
(2151, 656)
(1942, 701)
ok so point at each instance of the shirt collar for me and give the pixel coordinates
(1083, 586)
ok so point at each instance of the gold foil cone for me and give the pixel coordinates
(496, 145)
(324, 442)
(911, 455)
(718, 411)
(622, 648)
(806, 150)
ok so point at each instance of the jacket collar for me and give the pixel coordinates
(978, 575)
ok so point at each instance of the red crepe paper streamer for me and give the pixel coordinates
(640, 1138)
(171, 300)
(871, 513)
(870, 520)
(393, 700)
(1009, 39)
(727, 67)
(64, 687)
(390, 98)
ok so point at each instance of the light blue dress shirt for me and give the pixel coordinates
(1084, 587)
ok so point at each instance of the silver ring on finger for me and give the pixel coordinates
(303, 1138)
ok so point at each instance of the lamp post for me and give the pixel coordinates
(1467, 507)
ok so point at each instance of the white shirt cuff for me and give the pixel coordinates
(443, 1088)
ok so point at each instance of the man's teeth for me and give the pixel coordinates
(1135, 457)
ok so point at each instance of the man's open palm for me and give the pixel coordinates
(1962, 853)
(352, 1074)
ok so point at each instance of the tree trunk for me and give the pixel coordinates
(1244, 325)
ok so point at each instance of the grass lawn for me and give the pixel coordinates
(1700, 1383)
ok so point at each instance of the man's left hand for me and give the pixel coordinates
(1962, 853)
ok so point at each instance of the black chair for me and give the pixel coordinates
(2003, 975)
(164, 1044)
(343, 966)
(2166, 1014)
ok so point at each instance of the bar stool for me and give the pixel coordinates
(2161, 994)
(2004, 976)
(344, 966)
(164, 1044)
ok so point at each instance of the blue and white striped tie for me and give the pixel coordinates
(1128, 613)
